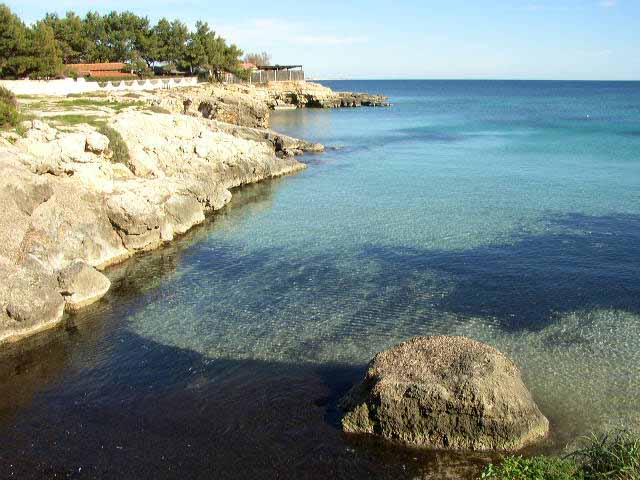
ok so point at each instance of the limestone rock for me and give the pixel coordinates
(96, 143)
(446, 393)
(184, 211)
(249, 105)
(81, 285)
(72, 224)
(67, 208)
(313, 95)
(29, 299)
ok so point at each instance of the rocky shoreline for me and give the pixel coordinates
(78, 198)
(250, 105)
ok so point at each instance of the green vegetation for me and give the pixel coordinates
(258, 59)
(613, 456)
(41, 50)
(21, 130)
(95, 102)
(536, 468)
(24, 51)
(117, 144)
(157, 109)
(9, 115)
(88, 95)
(76, 119)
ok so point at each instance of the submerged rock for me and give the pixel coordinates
(445, 392)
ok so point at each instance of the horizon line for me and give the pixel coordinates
(467, 79)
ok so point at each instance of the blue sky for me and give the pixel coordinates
(537, 39)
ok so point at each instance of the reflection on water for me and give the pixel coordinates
(224, 354)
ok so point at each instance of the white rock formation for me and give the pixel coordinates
(70, 206)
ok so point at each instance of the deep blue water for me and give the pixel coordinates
(505, 211)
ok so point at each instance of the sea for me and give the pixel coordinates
(504, 211)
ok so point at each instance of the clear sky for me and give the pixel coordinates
(523, 39)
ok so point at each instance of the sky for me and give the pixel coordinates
(448, 39)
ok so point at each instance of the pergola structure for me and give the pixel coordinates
(279, 68)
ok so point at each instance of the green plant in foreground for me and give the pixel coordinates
(21, 130)
(536, 468)
(9, 114)
(117, 144)
(612, 456)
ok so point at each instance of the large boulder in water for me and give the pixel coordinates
(445, 392)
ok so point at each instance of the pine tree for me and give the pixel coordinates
(46, 57)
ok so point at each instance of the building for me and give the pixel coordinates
(102, 70)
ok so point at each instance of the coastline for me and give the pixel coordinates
(84, 208)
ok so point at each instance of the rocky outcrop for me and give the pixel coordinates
(70, 209)
(314, 95)
(284, 145)
(214, 102)
(249, 105)
(445, 393)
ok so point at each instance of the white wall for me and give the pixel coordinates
(69, 85)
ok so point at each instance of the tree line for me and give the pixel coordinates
(42, 49)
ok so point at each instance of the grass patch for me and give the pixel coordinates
(158, 109)
(87, 95)
(28, 97)
(94, 102)
(117, 145)
(612, 456)
(21, 130)
(40, 105)
(76, 119)
(536, 468)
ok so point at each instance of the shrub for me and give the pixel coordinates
(158, 109)
(536, 468)
(70, 73)
(612, 456)
(9, 115)
(117, 145)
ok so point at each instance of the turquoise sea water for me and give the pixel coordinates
(505, 211)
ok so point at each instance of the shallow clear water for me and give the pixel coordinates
(505, 211)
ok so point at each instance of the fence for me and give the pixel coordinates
(69, 85)
(263, 76)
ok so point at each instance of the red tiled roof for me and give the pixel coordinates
(248, 66)
(99, 73)
(100, 67)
